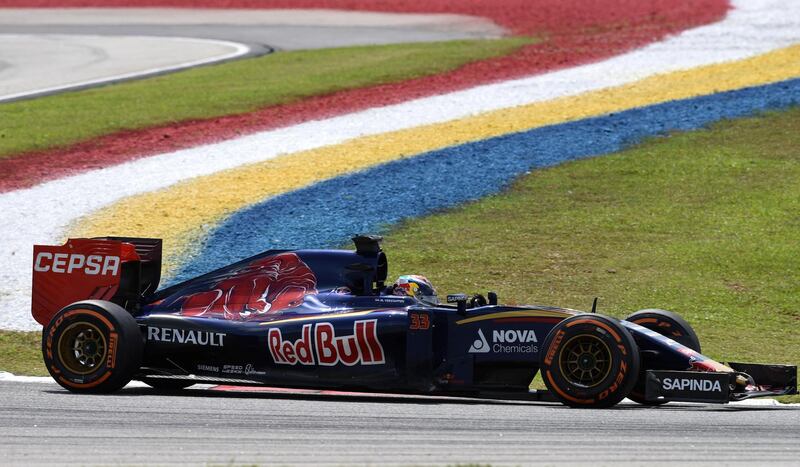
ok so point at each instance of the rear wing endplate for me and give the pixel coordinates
(116, 269)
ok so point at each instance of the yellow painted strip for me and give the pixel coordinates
(517, 314)
(182, 214)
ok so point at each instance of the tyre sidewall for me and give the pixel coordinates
(623, 370)
(123, 347)
(667, 324)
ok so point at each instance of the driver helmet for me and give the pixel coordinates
(416, 286)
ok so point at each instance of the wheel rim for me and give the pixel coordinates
(585, 361)
(82, 348)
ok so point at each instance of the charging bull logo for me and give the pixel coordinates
(264, 286)
(319, 344)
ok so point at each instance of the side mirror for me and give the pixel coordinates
(492, 298)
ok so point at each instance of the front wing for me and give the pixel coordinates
(678, 373)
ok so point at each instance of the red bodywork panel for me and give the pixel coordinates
(81, 269)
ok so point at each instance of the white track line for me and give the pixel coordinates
(41, 214)
(238, 50)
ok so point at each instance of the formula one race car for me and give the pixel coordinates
(326, 319)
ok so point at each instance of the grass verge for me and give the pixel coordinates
(21, 353)
(705, 223)
(229, 88)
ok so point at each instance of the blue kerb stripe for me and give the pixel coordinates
(327, 213)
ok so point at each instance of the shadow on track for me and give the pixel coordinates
(412, 399)
(409, 399)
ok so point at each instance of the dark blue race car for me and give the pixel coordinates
(327, 319)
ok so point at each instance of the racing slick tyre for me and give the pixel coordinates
(167, 384)
(590, 360)
(666, 323)
(92, 346)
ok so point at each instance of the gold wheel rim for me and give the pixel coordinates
(82, 348)
(585, 361)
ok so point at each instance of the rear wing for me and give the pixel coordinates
(118, 269)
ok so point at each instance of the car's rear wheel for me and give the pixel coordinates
(589, 360)
(666, 323)
(92, 346)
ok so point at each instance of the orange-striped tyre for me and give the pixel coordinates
(589, 360)
(667, 324)
(92, 346)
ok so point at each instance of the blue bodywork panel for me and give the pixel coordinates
(325, 318)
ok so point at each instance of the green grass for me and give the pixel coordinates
(21, 353)
(229, 88)
(705, 223)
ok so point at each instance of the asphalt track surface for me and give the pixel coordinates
(52, 50)
(44, 424)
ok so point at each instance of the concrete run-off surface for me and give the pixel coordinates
(42, 423)
(46, 63)
(47, 50)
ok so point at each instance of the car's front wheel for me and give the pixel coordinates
(589, 360)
